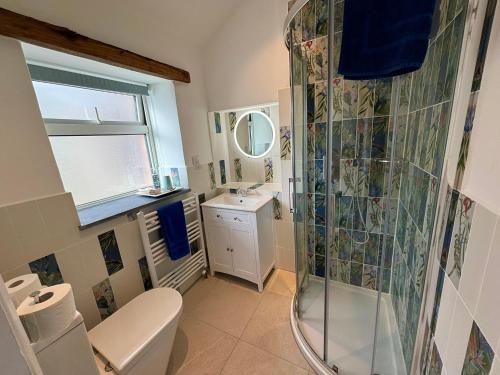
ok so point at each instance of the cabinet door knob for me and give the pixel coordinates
(232, 250)
(237, 219)
(227, 249)
(218, 216)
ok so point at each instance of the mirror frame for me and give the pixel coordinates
(270, 122)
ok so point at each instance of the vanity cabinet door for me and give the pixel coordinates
(219, 248)
(243, 250)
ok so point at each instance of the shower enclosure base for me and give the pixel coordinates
(351, 327)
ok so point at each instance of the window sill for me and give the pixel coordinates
(106, 211)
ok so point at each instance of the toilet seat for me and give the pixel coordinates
(123, 337)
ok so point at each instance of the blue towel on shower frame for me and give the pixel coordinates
(173, 229)
(384, 38)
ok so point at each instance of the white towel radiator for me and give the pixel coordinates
(156, 249)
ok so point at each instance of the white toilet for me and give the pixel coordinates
(137, 339)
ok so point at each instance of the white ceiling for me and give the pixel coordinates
(192, 21)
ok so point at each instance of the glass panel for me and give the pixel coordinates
(309, 234)
(74, 103)
(97, 167)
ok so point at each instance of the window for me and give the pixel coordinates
(100, 140)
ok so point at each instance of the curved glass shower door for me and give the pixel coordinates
(310, 293)
(367, 160)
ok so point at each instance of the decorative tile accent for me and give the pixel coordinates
(146, 277)
(349, 139)
(460, 237)
(479, 355)
(110, 252)
(285, 143)
(176, 181)
(321, 103)
(382, 101)
(237, 170)
(435, 365)
(350, 107)
(308, 21)
(370, 277)
(232, 120)
(320, 141)
(47, 270)
(366, 97)
(321, 17)
(277, 205)
(268, 169)
(218, 127)
(211, 175)
(222, 166)
(344, 271)
(356, 273)
(104, 298)
(321, 59)
(464, 146)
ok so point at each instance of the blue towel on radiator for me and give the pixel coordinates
(173, 229)
(384, 38)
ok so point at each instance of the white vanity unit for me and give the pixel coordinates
(239, 234)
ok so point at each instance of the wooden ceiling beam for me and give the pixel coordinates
(61, 39)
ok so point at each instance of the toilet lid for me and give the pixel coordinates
(122, 336)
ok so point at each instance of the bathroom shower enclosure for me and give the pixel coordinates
(367, 163)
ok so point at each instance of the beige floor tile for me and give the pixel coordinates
(198, 293)
(270, 330)
(281, 282)
(249, 360)
(193, 338)
(212, 360)
(222, 304)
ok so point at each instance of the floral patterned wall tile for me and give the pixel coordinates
(356, 274)
(370, 277)
(321, 17)
(479, 355)
(308, 21)
(464, 146)
(344, 271)
(237, 170)
(338, 95)
(459, 237)
(366, 98)
(321, 102)
(382, 97)
(277, 205)
(350, 106)
(222, 166)
(104, 298)
(47, 270)
(268, 170)
(232, 120)
(110, 252)
(146, 276)
(211, 175)
(218, 126)
(285, 143)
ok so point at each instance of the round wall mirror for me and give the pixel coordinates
(254, 134)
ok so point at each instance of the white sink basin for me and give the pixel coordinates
(233, 202)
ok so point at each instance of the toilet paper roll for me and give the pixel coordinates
(20, 287)
(51, 315)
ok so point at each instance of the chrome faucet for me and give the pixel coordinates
(242, 192)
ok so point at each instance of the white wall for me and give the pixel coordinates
(482, 174)
(246, 61)
(27, 165)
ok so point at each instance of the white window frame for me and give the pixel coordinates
(74, 127)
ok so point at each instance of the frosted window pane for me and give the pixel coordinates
(68, 102)
(97, 167)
